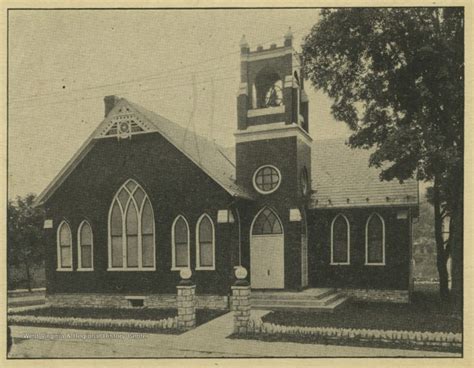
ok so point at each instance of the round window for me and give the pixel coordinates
(266, 179)
(304, 181)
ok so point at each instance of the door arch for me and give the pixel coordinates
(267, 239)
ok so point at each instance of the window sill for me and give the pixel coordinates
(179, 268)
(339, 264)
(374, 264)
(85, 269)
(131, 269)
(266, 111)
(205, 268)
(64, 269)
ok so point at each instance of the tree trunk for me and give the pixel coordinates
(441, 254)
(28, 275)
(456, 231)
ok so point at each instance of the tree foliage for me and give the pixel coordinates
(396, 77)
(397, 80)
(25, 234)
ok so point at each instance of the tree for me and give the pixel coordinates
(25, 235)
(397, 80)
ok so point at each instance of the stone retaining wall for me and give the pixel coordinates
(120, 300)
(391, 296)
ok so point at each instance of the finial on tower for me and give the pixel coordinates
(288, 37)
(244, 45)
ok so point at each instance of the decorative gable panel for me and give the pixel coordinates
(124, 123)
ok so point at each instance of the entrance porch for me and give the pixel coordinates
(314, 299)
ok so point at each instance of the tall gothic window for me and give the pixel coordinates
(64, 250)
(375, 240)
(85, 247)
(205, 244)
(340, 241)
(180, 244)
(131, 230)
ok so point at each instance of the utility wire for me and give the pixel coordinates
(75, 100)
(146, 77)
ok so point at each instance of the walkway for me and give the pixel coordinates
(208, 340)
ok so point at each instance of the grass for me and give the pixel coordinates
(424, 313)
(114, 313)
(202, 316)
(342, 342)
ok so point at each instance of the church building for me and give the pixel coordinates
(144, 198)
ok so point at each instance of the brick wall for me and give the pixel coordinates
(175, 186)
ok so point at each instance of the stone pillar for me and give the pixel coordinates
(186, 300)
(241, 301)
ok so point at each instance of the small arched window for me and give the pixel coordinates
(340, 240)
(267, 223)
(64, 250)
(85, 247)
(205, 244)
(131, 230)
(375, 240)
(180, 253)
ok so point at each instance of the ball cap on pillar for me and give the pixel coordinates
(241, 275)
(244, 45)
(288, 37)
(185, 275)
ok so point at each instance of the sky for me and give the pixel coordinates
(62, 63)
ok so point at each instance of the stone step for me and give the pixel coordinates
(284, 300)
(298, 306)
(309, 294)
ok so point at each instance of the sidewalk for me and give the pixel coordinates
(208, 340)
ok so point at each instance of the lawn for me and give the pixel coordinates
(140, 314)
(89, 312)
(423, 314)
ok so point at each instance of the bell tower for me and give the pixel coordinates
(273, 145)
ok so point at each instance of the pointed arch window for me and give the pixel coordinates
(267, 223)
(340, 240)
(180, 253)
(85, 248)
(131, 230)
(205, 244)
(64, 249)
(375, 240)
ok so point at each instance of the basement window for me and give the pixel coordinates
(136, 302)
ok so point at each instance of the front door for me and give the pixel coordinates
(267, 266)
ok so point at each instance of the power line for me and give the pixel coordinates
(182, 75)
(146, 77)
(75, 100)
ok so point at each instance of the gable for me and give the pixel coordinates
(127, 119)
(123, 122)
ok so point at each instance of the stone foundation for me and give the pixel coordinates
(390, 296)
(121, 301)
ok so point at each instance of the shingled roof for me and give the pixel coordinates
(205, 154)
(341, 177)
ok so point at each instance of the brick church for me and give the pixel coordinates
(137, 204)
